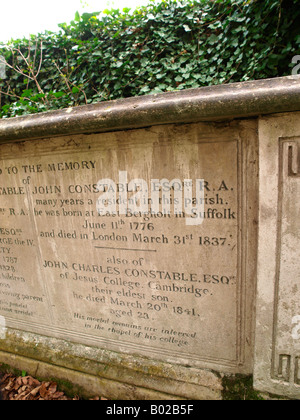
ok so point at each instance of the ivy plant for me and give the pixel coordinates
(165, 46)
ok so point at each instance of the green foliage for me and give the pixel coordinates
(162, 47)
(239, 388)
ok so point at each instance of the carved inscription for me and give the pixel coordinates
(139, 281)
(277, 342)
(287, 311)
(293, 159)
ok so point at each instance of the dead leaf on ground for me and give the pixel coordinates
(27, 388)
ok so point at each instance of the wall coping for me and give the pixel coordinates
(220, 102)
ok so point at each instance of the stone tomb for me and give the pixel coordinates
(158, 285)
(144, 254)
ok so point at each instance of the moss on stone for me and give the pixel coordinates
(239, 388)
(4, 368)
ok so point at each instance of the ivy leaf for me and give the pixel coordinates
(77, 17)
(58, 94)
(187, 28)
(235, 42)
(212, 39)
(178, 79)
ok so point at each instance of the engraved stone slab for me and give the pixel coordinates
(160, 285)
(278, 310)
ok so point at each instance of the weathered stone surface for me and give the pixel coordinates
(136, 283)
(110, 374)
(278, 297)
(219, 102)
(149, 306)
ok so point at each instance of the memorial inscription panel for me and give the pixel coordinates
(160, 284)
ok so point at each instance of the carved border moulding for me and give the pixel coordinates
(278, 298)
